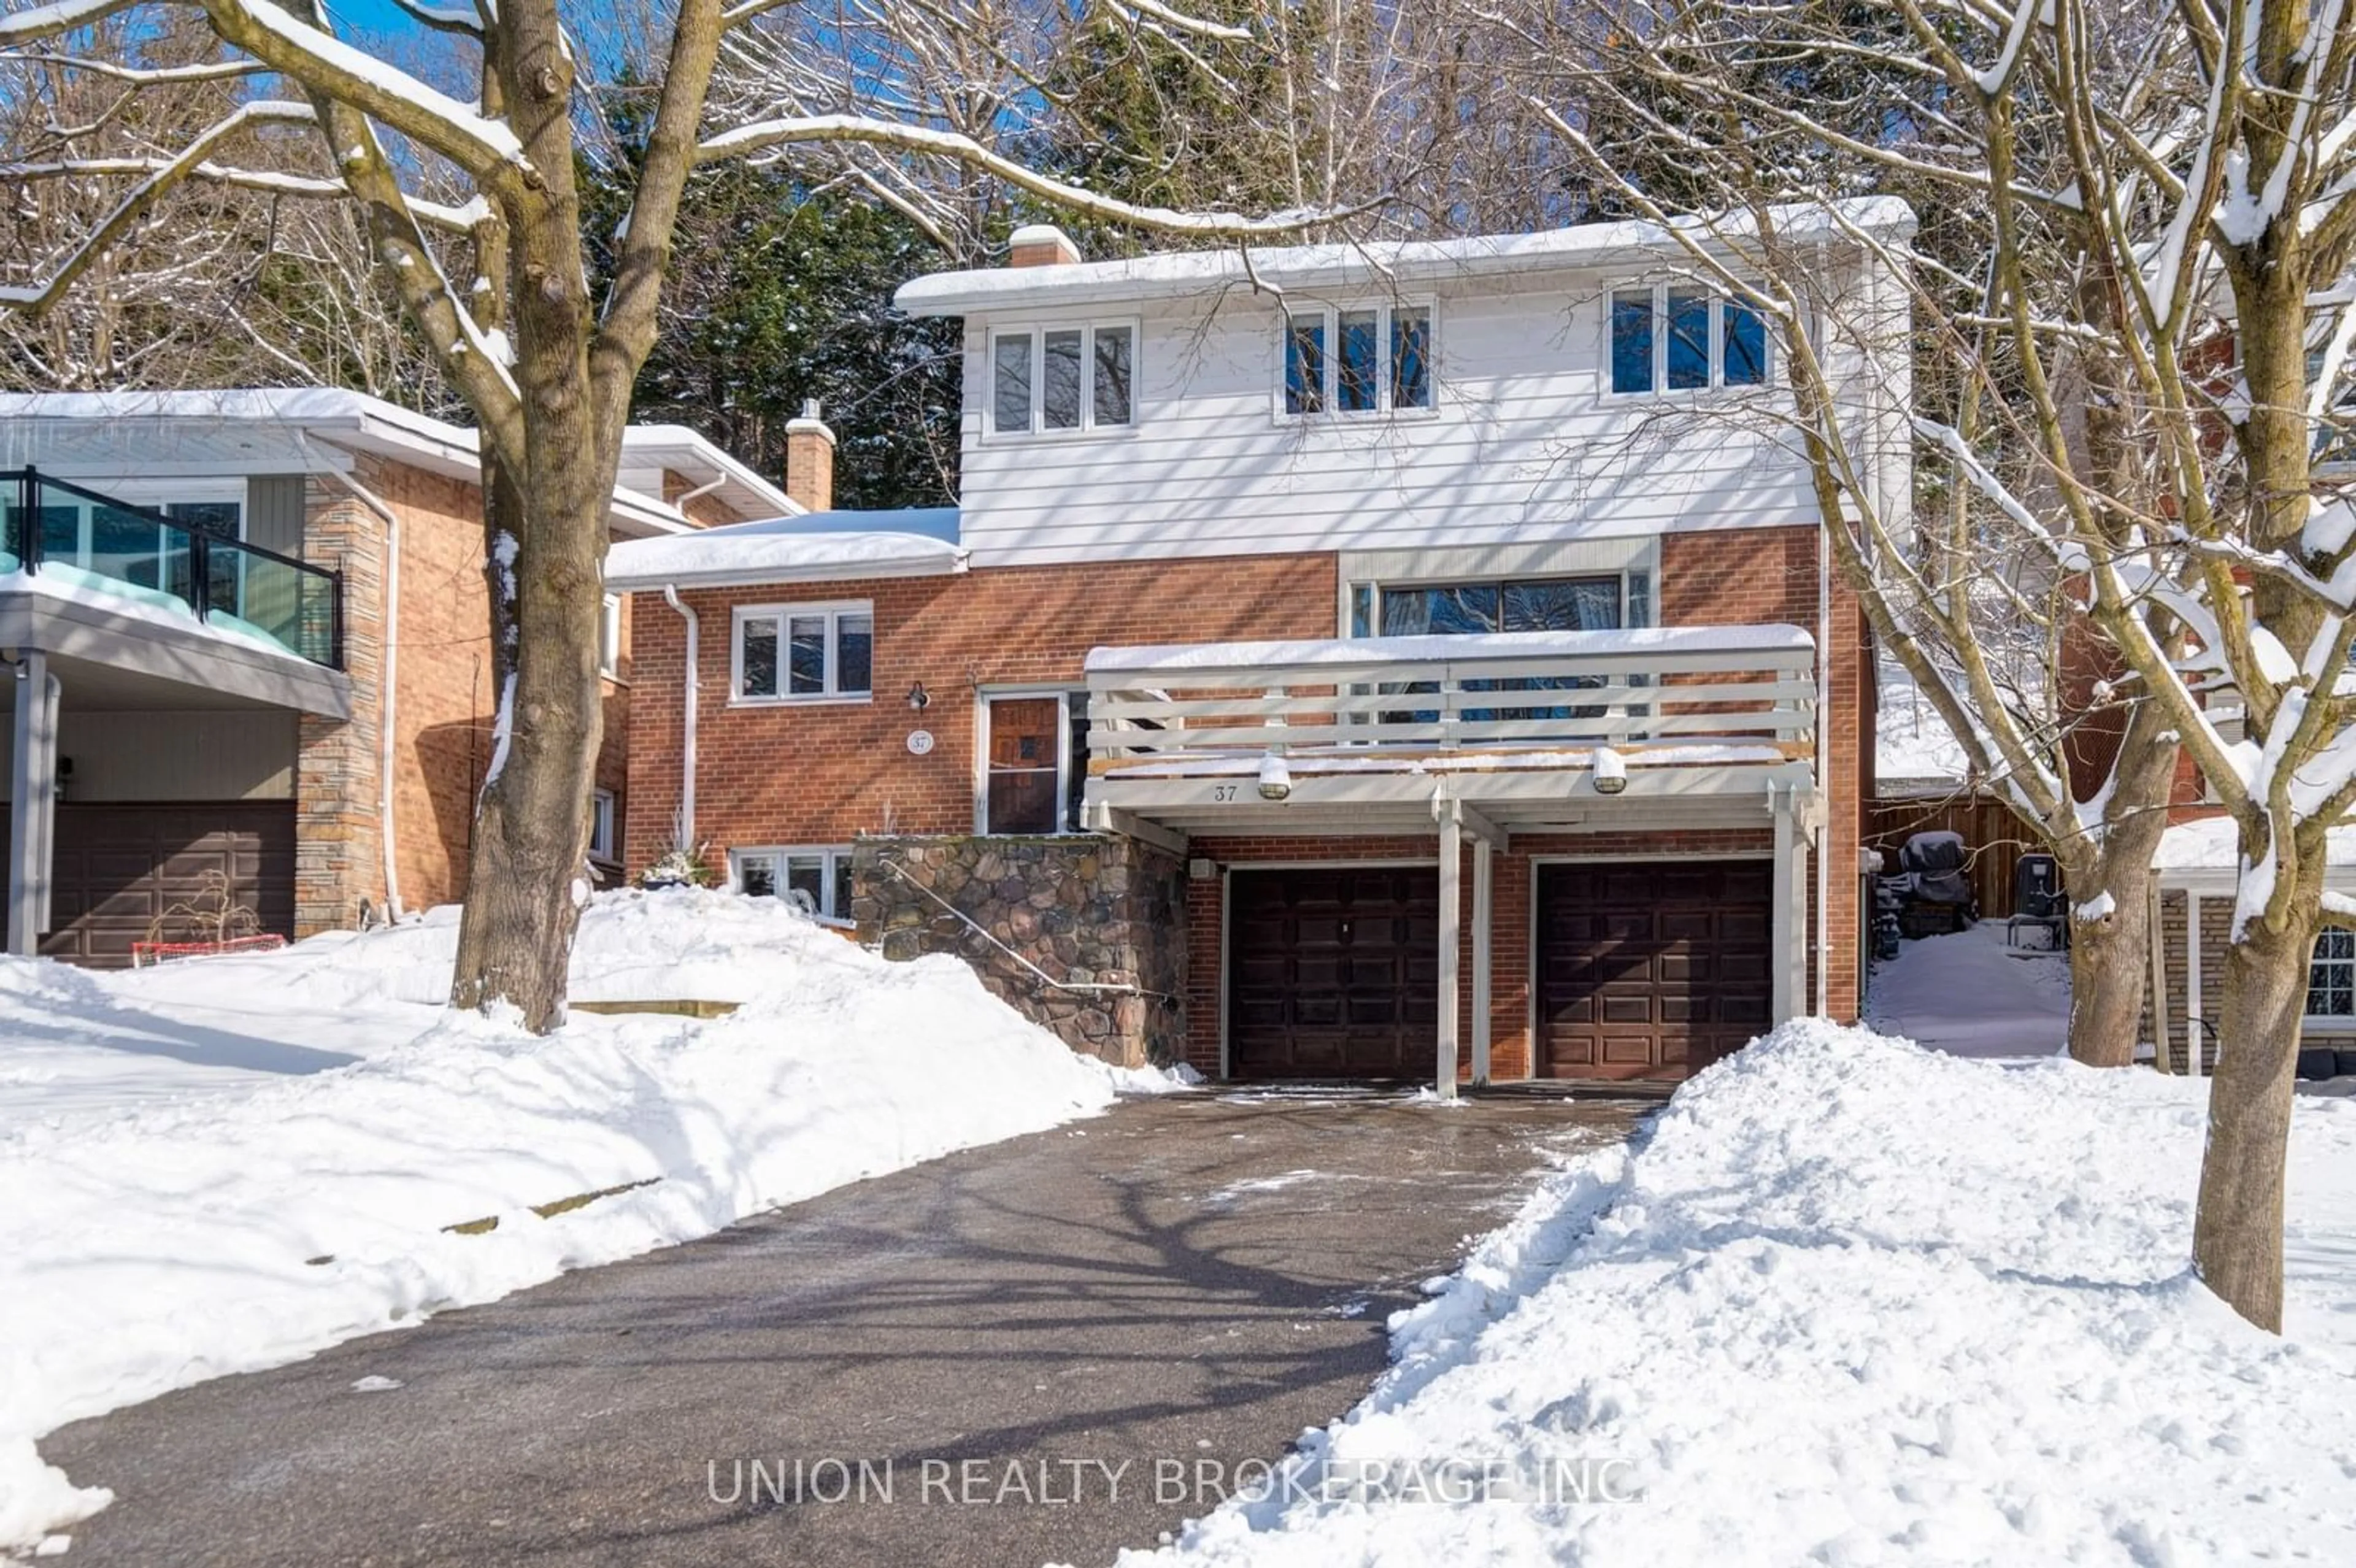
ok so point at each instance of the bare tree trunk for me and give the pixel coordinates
(2237, 1231)
(2107, 959)
(531, 837)
(2110, 957)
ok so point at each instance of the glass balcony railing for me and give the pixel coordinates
(81, 540)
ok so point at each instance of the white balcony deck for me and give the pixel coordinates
(1365, 734)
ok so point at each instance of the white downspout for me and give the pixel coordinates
(1824, 799)
(687, 723)
(388, 701)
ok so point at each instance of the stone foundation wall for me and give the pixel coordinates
(1089, 911)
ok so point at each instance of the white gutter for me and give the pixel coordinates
(687, 722)
(388, 703)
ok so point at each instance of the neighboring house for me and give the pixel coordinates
(317, 734)
(1208, 724)
(2198, 865)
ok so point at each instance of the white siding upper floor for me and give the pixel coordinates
(1527, 440)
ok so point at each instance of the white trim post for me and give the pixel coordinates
(1483, 873)
(33, 811)
(1786, 888)
(1451, 854)
(2192, 1004)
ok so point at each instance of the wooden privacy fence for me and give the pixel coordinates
(1992, 836)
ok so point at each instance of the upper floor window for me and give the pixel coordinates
(1669, 338)
(804, 653)
(1531, 605)
(1057, 379)
(1366, 359)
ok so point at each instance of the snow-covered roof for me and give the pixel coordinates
(246, 429)
(694, 458)
(1588, 245)
(813, 547)
(2213, 844)
(1490, 645)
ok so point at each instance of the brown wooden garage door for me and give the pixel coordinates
(118, 867)
(1650, 969)
(1333, 973)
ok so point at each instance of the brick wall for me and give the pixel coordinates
(338, 857)
(447, 696)
(821, 774)
(1771, 575)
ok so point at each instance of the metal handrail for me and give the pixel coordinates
(25, 542)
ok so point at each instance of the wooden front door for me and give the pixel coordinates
(1024, 735)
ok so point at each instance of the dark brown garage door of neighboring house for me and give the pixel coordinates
(119, 866)
(1650, 969)
(1333, 973)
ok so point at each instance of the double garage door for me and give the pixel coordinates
(1642, 969)
(118, 867)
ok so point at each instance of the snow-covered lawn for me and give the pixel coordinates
(1855, 1302)
(230, 1164)
(1967, 994)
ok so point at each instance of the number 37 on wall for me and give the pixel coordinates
(1223, 792)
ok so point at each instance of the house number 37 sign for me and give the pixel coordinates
(920, 742)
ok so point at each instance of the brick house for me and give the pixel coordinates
(249, 631)
(1190, 725)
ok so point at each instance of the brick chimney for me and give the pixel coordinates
(1040, 245)
(809, 460)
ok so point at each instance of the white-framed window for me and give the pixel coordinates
(815, 877)
(1682, 337)
(609, 637)
(803, 653)
(1064, 380)
(1361, 360)
(2331, 977)
(1034, 760)
(602, 845)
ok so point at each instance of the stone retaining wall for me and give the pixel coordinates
(1089, 911)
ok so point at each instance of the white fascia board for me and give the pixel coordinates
(683, 451)
(1397, 262)
(769, 577)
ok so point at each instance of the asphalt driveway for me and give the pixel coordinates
(1045, 1350)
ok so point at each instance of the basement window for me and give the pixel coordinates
(814, 878)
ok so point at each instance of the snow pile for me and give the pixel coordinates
(1852, 1302)
(277, 1203)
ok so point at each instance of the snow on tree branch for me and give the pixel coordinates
(768, 135)
(142, 197)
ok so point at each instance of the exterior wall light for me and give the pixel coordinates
(919, 698)
(1611, 772)
(1275, 778)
